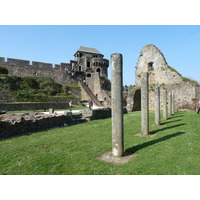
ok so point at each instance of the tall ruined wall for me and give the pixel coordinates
(197, 92)
(184, 95)
(25, 69)
(152, 60)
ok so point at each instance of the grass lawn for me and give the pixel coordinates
(173, 149)
(75, 107)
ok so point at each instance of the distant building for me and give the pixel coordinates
(88, 61)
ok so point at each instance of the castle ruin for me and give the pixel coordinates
(88, 69)
(151, 60)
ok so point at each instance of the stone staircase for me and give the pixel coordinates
(91, 95)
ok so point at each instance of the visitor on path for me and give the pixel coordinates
(198, 107)
(90, 102)
(70, 105)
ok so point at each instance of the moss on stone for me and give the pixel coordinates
(193, 82)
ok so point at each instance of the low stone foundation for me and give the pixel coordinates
(22, 124)
(101, 113)
(12, 125)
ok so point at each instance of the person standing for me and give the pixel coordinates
(198, 107)
(70, 105)
(90, 104)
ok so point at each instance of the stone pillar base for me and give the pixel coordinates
(108, 157)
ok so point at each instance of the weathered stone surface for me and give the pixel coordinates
(21, 124)
(51, 110)
(134, 100)
(108, 157)
(152, 60)
(170, 104)
(157, 106)
(165, 105)
(144, 104)
(117, 106)
(173, 109)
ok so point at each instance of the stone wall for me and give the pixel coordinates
(133, 101)
(152, 60)
(12, 125)
(101, 113)
(183, 93)
(21, 124)
(24, 68)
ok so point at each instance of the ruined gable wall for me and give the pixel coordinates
(160, 73)
(166, 77)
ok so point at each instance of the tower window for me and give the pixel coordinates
(88, 63)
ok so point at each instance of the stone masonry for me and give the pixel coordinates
(117, 106)
(152, 60)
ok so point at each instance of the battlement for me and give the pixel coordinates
(34, 64)
(13, 61)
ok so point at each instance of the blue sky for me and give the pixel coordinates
(54, 44)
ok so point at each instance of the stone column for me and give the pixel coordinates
(117, 106)
(165, 104)
(157, 106)
(173, 109)
(170, 104)
(51, 110)
(144, 104)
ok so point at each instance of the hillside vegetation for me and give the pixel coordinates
(37, 89)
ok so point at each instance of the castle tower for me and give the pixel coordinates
(89, 61)
(91, 66)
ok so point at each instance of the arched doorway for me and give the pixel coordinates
(88, 75)
(3, 70)
(137, 100)
(98, 70)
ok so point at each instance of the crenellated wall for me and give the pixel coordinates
(35, 64)
(25, 68)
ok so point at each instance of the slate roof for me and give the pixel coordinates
(88, 50)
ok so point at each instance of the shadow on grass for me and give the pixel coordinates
(167, 122)
(166, 128)
(134, 149)
(175, 116)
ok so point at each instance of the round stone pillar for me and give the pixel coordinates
(170, 104)
(117, 105)
(157, 106)
(165, 104)
(144, 104)
(173, 108)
